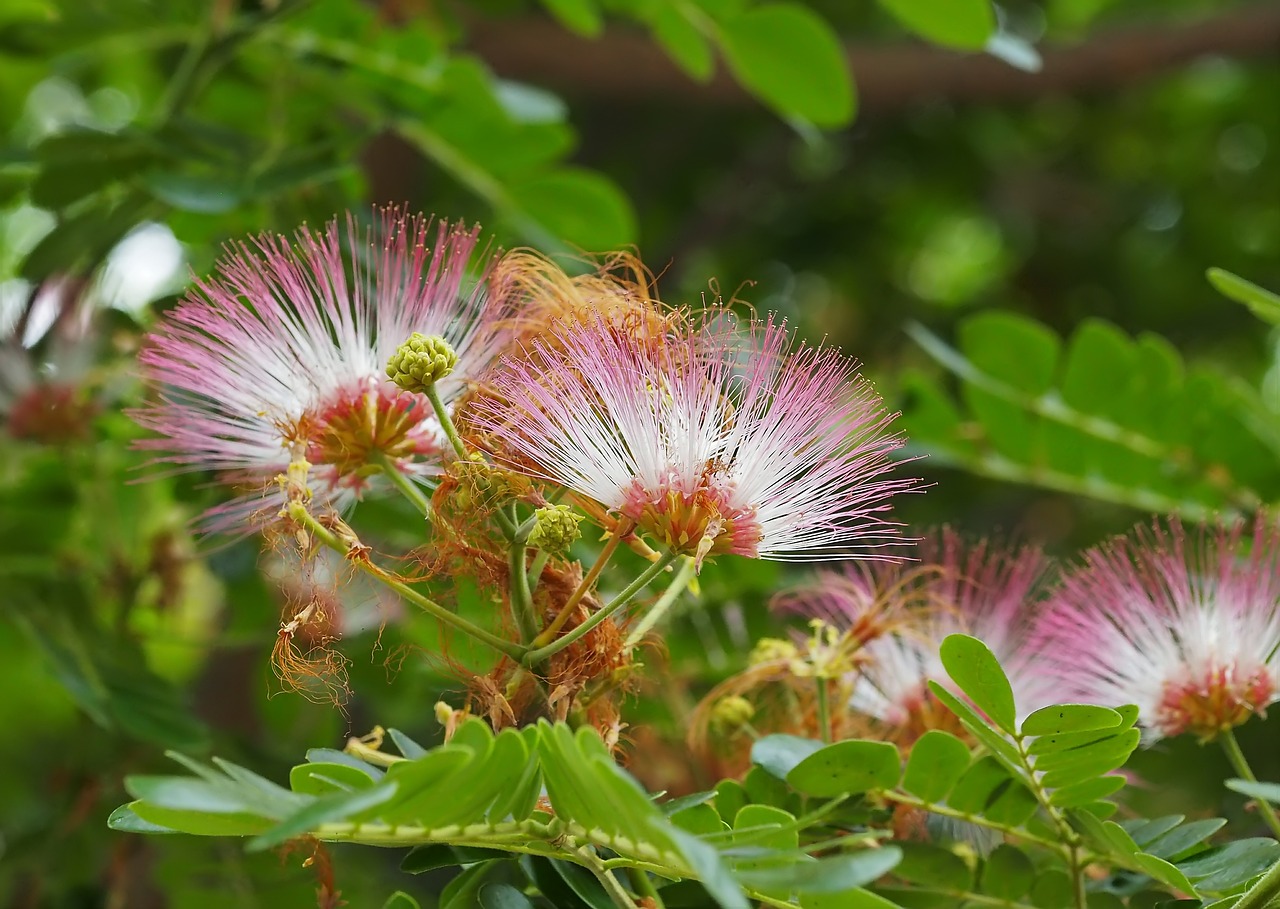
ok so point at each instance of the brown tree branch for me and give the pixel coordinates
(626, 65)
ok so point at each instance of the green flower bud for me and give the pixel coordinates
(420, 362)
(556, 529)
(730, 714)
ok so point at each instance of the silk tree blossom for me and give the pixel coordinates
(711, 438)
(282, 354)
(1186, 628)
(903, 612)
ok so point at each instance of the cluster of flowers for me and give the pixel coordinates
(399, 352)
(1183, 623)
(708, 434)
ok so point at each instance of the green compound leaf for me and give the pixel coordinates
(1070, 718)
(400, 900)
(851, 766)
(1261, 302)
(850, 899)
(937, 761)
(975, 669)
(962, 24)
(790, 58)
(1086, 791)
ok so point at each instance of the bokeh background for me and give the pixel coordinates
(1006, 212)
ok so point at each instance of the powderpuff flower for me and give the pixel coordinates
(282, 355)
(902, 612)
(710, 438)
(1186, 626)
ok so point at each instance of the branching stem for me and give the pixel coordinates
(298, 512)
(534, 657)
(588, 581)
(684, 574)
(1241, 766)
(406, 486)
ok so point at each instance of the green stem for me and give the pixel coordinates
(617, 893)
(1241, 766)
(1070, 839)
(298, 512)
(534, 657)
(540, 560)
(589, 579)
(460, 449)
(824, 710)
(401, 482)
(684, 574)
(521, 595)
(1264, 890)
(644, 887)
(945, 811)
(446, 421)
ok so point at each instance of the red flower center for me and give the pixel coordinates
(1224, 697)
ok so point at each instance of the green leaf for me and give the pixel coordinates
(502, 896)
(730, 797)
(407, 746)
(1085, 791)
(463, 892)
(1053, 889)
(202, 194)
(753, 817)
(186, 794)
(1065, 768)
(711, 871)
(581, 16)
(962, 24)
(850, 766)
(700, 820)
(578, 206)
(975, 669)
(779, 754)
(999, 747)
(202, 823)
(323, 810)
(790, 58)
(1175, 842)
(936, 763)
(850, 899)
(585, 885)
(1164, 872)
(933, 866)
(1267, 792)
(978, 785)
(323, 779)
(1262, 302)
(1069, 718)
(1225, 867)
(1007, 873)
(828, 875)
(126, 820)
(400, 900)
(682, 40)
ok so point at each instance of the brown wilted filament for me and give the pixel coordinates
(302, 658)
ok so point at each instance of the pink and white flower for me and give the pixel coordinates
(1187, 629)
(283, 352)
(711, 438)
(955, 587)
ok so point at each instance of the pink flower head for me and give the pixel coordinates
(955, 587)
(711, 438)
(1186, 629)
(284, 351)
